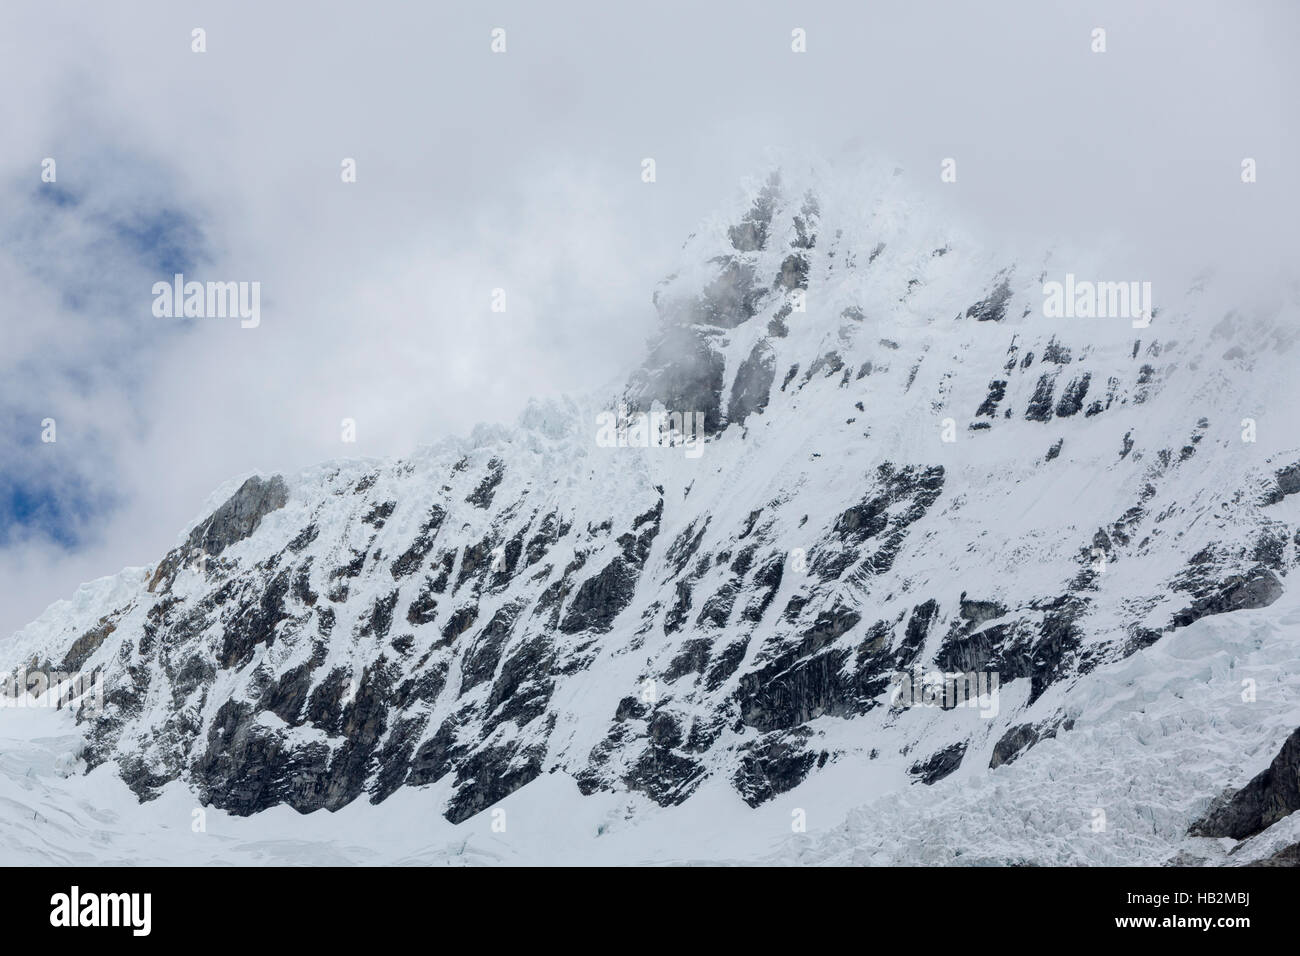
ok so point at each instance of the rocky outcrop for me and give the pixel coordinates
(753, 384)
(240, 515)
(1271, 795)
(234, 521)
(685, 374)
(1257, 588)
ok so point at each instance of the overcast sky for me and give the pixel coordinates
(521, 171)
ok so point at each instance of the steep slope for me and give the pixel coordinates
(902, 468)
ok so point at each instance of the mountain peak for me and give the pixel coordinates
(894, 431)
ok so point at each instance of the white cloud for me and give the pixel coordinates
(521, 171)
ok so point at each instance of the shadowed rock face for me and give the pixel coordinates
(1020, 738)
(1288, 483)
(1287, 856)
(684, 373)
(939, 765)
(1016, 740)
(239, 517)
(994, 307)
(1260, 587)
(1270, 796)
(753, 384)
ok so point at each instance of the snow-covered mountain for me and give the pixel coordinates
(894, 466)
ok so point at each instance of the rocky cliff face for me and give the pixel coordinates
(903, 467)
(1270, 796)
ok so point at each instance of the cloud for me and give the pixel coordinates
(521, 171)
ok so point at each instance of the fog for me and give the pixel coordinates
(521, 171)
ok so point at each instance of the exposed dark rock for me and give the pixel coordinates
(254, 623)
(1040, 405)
(776, 326)
(380, 513)
(1056, 353)
(1287, 483)
(602, 597)
(443, 566)
(662, 773)
(692, 659)
(1271, 795)
(1270, 548)
(380, 618)
(914, 635)
(685, 373)
(490, 775)
(503, 570)
(86, 645)
(475, 560)
(480, 661)
(1287, 856)
(717, 609)
(240, 516)
(628, 708)
(774, 765)
(302, 585)
(234, 521)
(425, 606)
(750, 234)
(753, 383)
(1020, 738)
(350, 570)
(523, 688)
(414, 556)
(394, 758)
(877, 521)
(680, 609)
(1014, 742)
(994, 307)
(793, 274)
(435, 757)
(547, 535)
(830, 361)
(781, 696)
(767, 580)
(1258, 588)
(1073, 396)
(731, 298)
(725, 664)
(989, 407)
(940, 764)
(288, 696)
(304, 538)
(481, 497)
(461, 620)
